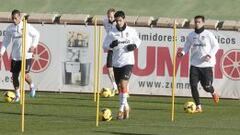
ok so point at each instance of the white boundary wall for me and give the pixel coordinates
(62, 66)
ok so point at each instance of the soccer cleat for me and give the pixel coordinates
(32, 92)
(126, 113)
(215, 97)
(128, 95)
(198, 110)
(17, 99)
(120, 115)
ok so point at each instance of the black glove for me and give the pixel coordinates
(131, 47)
(114, 44)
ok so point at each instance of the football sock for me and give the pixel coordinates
(125, 102)
(121, 109)
(32, 85)
(18, 92)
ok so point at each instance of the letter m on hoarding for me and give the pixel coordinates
(165, 63)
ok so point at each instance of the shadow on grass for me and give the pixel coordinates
(59, 104)
(71, 98)
(2, 102)
(81, 98)
(58, 116)
(122, 133)
(92, 105)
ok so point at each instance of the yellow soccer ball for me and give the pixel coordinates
(190, 107)
(106, 92)
(9, 96)
(105, 114)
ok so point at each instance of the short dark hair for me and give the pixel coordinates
(119, 14)
(15, 11)
(200, 17)
(110, 10)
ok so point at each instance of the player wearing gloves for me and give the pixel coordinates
(204, 46)
(122, 40)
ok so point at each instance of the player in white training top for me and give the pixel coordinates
(13, 37)
(122, 40)
(109, 23)
(204, 47)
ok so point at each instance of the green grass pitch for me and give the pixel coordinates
(74, 114)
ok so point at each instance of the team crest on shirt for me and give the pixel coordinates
(126, 34)
(203, 42)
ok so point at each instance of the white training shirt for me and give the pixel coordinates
(121, 56)
(201, 45)
(14, 35)
(108, 26)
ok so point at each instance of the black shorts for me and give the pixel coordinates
(16, 66)
(202, 74)
(122, 73)
(109, 59)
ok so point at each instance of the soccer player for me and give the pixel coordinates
(14, 36)
(204, 47)
(109, 24)
(122, 40)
